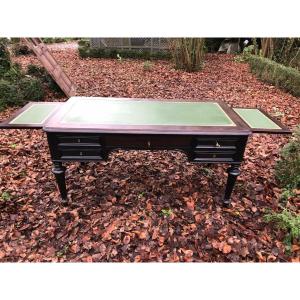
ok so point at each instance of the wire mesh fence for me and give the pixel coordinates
(138, 44)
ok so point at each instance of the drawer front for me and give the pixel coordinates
(216, 156)
(146, 141)
(218, 149)
(79, 147)
(84, 153)
(215, 142)
(79, 139)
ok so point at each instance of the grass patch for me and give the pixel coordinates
(6, 196)
(287, 221)
(147, 66)
(166, 212)
(287, 169)
(287, 172)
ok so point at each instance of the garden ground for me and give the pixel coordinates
(140, 205)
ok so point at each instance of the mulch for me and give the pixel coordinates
(142, 206)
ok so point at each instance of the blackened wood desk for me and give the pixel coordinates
(87, 129)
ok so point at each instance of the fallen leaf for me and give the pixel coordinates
(226, 249)
(75, 248)
(126, 239)
(2, 254)
(143, 235)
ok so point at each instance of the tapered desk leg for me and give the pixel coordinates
(59, 172)
(233, 172)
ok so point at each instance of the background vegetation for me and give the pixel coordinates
(287, 172)
(18, 86)
(277, 62)
(267, 70)
(188, 53)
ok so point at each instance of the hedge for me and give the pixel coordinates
(274, 73)
(86, 51)
(211, 45)
(52, 40)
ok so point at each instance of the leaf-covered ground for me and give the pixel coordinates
(140, 205)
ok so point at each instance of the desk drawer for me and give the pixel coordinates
(82, 153)
(218, 148)
(214, 156)
(216, 142)
(79, 139)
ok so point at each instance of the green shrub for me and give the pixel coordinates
(286, 195)
(42, 74)
(10, 94)
(289, 222)
(34, 70)
(84, 43)
(5, 61)
(245, 54)
(188, 53)
(32, 89)
(14, 73)
(15, 40)
(269, 71)
(287, 169)
(287, 172)
(21, 49)
(4, 41)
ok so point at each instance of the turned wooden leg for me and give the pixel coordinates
(59, 173)
(233, 172)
